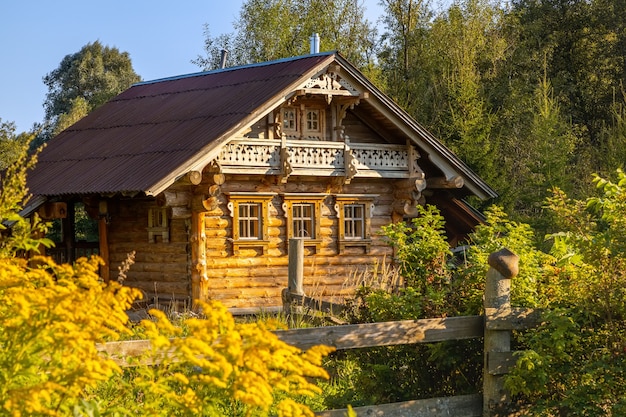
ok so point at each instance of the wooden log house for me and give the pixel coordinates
(206, 177)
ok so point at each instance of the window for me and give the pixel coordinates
(157, 224)
(303, 220)
(303, 212)
(250, 219)
(303, 122)
(290, 122)
(313, 121)
(354, 221)
(355, 213)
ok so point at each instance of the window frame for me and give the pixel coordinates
(301, 120)
(264, 202)
(318, 120)
(296, 119)
(366, 201)
(315, 201)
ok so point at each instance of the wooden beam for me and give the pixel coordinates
(387, 333)
(198, 257)
(511, 318)
(176, 198)
(500, 363)
(345, 336)
(503, 266)
(442, 182)
(458, 406)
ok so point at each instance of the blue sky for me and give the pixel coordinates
(162, 37)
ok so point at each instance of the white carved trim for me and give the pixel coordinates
(331, 82)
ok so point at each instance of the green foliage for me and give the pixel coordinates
(11, 144)
(22, 235)
(498, 232)
(422, 250)
(84, 81)
(575, 361)
(436, 284)
(273, 29)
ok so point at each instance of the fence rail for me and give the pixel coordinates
(495, 327)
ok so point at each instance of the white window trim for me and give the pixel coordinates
(289, 199)
(367, 201)
(265, 201)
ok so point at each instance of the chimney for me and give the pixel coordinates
(223, 58)
(315, 43)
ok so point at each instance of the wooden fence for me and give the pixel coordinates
(495, 326)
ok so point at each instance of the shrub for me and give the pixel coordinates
(51, 317)
(575, 362)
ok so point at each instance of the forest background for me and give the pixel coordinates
(529, 93)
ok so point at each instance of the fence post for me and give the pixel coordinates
(295, 279)
(503, 266)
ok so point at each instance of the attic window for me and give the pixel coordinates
(313, 121)
(290, 119)
(303, 122)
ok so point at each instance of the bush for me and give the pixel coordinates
(575, 363)
(51, 317)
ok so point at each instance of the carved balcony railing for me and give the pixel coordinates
(299, 157)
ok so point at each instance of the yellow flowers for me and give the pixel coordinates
(222, 365)
(51, 317)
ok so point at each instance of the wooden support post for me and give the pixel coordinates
(104, 248)
(295, 279)
(503, 266)
(198, 257)
(296, 266)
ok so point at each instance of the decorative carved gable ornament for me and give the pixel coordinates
(330, 84)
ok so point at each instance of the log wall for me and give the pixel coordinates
(161, 268)
(255, 278)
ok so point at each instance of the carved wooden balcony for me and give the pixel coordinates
(300, 157)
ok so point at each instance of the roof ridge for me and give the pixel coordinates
(220, 70)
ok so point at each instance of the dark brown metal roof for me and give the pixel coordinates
(154, 128)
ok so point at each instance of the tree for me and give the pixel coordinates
(11, 144)
(407, 58)
(585, 44)
(469, 39)
(84, 81)
(538, 155)
(273, 29)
